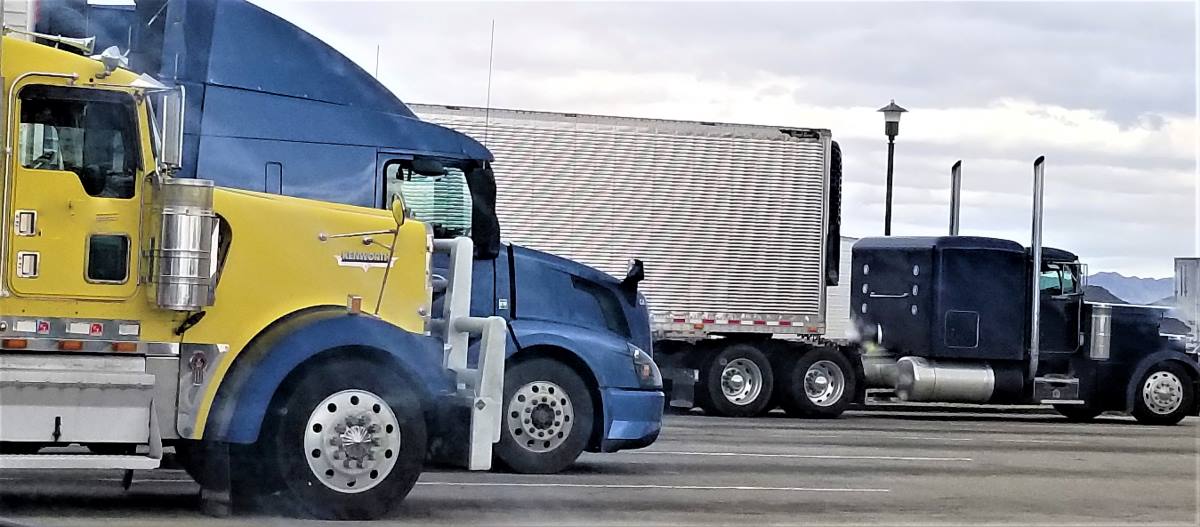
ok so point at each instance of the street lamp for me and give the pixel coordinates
(891, 127)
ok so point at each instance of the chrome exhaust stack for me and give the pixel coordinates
(955, 198)
(1035, 281)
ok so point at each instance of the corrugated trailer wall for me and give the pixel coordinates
(729, 219)
(16, 14)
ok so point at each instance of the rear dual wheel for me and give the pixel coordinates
(819, 384)
(735, 381)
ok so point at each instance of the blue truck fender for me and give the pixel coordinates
(1149, 361)
(245, 393)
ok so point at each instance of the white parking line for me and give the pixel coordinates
(799, 456)
(657, 487)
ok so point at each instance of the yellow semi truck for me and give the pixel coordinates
(285, 343)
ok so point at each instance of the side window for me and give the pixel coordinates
(108, 258)
(92, 134)
(1051, 281)
(442, 200)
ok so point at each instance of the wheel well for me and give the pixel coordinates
(571, 360)
(375, 356)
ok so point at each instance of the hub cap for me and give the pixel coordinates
(352, 441)
(540, 416)
(741, 381)
(1162, 392)
(824, 383)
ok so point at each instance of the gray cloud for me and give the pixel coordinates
(1128, 209)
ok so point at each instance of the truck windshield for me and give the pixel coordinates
(88, 132)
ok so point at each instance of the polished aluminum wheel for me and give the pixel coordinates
(352, 441)
(540, 416)
(1162, 392)
(741, 381)
(824, 383)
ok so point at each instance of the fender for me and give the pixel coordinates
(606, 355)
(244, 396)
(1148, 361)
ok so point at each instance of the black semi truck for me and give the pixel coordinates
(948, 319)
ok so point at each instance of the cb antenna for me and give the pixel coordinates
(487, 106)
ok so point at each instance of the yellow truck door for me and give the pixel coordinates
(77, 167)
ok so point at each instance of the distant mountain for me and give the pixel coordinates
(1133, 289)
(1168, 301)
(1095, 293)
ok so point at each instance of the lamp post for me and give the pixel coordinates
(891, 127)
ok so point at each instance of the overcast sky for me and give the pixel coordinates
(1106, 91)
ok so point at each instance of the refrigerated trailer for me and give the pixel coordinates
(736, 227)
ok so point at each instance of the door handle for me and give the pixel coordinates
(883, 295)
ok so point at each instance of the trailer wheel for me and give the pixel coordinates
(820, 384)
(342, 442)
(1076, 413)
(1164, 395)
(548, 415)
(735, 381)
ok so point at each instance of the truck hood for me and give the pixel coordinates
(563, 264)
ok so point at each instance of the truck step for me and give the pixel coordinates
(80, 461)
(1056, 389)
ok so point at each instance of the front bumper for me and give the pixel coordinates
(632, 418)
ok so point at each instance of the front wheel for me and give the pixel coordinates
(548, 416)
(820, 384)
(344, 441)
(1165, 395)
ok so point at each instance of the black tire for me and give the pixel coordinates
(710, 394)
(1142, 409)
(287, 483)
(794, 397)
(1077, 413)
(566, 420)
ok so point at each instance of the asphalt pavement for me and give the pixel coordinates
(865, 468)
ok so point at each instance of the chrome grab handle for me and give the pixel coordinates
(881, 295)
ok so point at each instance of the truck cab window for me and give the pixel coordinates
(444, 201)
(89, 133)
(1051, 280)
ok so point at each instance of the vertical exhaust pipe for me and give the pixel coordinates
(955, 198)
(1035, 283)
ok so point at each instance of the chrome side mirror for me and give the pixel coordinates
(172, 127)
(399, 211)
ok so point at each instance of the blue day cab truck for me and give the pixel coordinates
(272, 108)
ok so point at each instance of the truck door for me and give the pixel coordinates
(1061, 296)
(438, 194)
(75, 193)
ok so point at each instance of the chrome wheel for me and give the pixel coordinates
(352, 441)
(540, 416)
(824, 383)
(741, 381)
(1162, 392)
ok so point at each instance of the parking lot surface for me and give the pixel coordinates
(865, 468)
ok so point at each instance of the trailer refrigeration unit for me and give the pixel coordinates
(735, 226)
(949, 319)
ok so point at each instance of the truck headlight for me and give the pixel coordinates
(644, 368)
